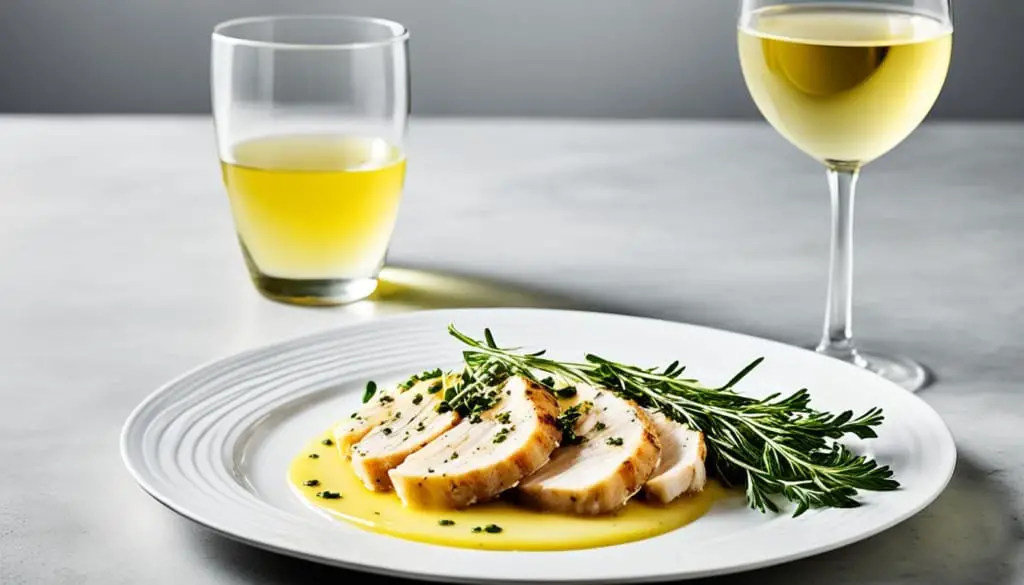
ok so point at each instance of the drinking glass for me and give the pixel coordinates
(311, 115)
(845, 82)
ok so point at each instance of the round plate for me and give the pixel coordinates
(215, 444)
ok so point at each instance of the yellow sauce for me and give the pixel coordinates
(522, 529)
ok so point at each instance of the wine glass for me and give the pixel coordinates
(845, 82)
(311, 115)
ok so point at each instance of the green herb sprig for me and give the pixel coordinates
(775, 447)
(476, 389)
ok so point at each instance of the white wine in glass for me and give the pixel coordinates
(311, 115)
(846, 82)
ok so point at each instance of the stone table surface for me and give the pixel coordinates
(119, 270)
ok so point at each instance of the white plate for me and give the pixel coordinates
(215, 445)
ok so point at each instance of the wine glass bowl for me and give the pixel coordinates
(846, 82)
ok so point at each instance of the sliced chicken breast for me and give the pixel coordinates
(412, 422)
(486, 455)
(682, 461)
(351, 430)
(618, 450)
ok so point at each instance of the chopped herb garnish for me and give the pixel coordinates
(327, 495)
(492, 528)
(430, 470)
(567, 422)
(475, 418)
(417, 399)
(434, 388)
(386, 399)
(420, 427)
(354, 415)
(314, 456)
(502, 434)
(476, 389)
(398, 415)
(311, 482)
(600, 426)
(386, 431)
(504, 417)
(614, 441)
(443, 522)
(478, 529)
(327, 442)
(549, 382)
(371, 389)
(444, 407)
(454, 456)
(429, 374)
(567, 392)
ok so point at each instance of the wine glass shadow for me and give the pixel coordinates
(413, 288)
(969, 535)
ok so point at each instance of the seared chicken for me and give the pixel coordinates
(484, 455)
(411, 422)
(617, 450)
(682, 461)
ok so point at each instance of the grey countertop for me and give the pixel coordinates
(119, 270)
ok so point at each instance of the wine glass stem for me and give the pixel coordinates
(837, 340)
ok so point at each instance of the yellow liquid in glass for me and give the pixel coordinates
(523, 529)
(844, 85)
(315, 206)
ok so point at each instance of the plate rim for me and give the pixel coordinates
(275, 346)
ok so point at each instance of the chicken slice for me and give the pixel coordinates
(617, 452)
(351, 430)
(682, 461)
(482, 457)
(411, 423)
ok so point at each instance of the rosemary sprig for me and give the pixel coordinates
(774, 447)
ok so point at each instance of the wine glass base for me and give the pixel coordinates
(314, 293)
(311, 292)
(900, 370)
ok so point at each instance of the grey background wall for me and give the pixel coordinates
(600, 58)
